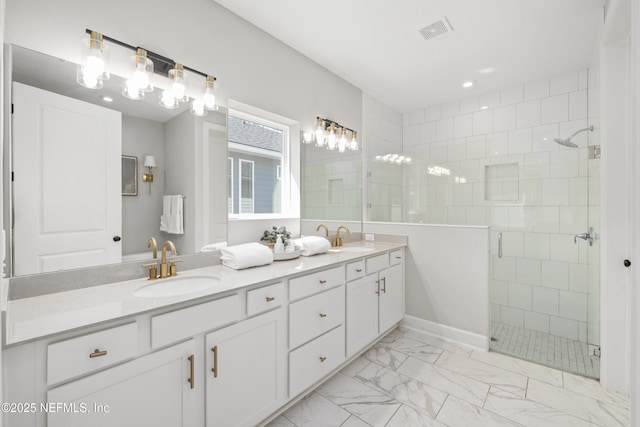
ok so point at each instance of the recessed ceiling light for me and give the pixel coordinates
(107, 99)
(484, 107)
(467, 84)
(487, 70)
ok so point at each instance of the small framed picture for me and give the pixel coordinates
(129, 176)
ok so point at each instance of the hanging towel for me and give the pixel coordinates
(172, 214)
(246, 255)
(312, 245)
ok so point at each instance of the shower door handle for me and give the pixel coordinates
(499, 245)
(589, 236)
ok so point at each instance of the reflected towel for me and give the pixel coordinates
(172, 213)
(312, 245)
(213, 247)
(246, 255)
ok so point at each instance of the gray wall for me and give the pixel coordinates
(141, 213)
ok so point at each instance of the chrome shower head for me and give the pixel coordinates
(567, 142)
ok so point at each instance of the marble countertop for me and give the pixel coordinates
(38, 317)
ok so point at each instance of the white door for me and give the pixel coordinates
(152, 390)
(391, 309)
(245, 371)
(67, 182)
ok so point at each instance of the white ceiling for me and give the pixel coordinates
(376, 44)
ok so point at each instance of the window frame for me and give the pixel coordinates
(287, 210)
(241, 179)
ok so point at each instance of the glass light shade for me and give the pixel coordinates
(209, 96)
(92, 69)
(353, 144)
(149, 161)
(168, 101)
(342, 142)
(198, 108)
(319, 133)
(141, 73)
(331, 138)
(307, 137)
(179, 83)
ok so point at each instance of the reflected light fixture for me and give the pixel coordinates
(331, 135)
(92, 70)
(149, 163)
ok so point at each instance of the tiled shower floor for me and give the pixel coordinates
(556, 352)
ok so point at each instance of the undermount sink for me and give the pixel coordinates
(351, 249)
(175, 286)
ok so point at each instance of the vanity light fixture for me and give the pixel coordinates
(149, 163)
(93, 71)
(331, 135)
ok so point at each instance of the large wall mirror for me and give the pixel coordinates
(74, 165)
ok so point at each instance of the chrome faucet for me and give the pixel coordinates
(151, 243)
(326, 230)
(589, 236)
(164, 267)
(338, 239)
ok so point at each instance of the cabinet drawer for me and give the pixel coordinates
(265, 298)
(315, 360)
(315, 315)
(355, 270)
(377, 263)
(301, 287)
(77, 356)
(396, 257)
(180, 324)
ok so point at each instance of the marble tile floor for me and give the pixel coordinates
(556, 352)
(412, 379)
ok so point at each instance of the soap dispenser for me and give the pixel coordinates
(279, 247)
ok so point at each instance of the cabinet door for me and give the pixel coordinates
(362, 313)
(152, 390)
(391, 308)
(245, 371)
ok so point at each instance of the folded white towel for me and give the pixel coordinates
(172, 214)
(246, 255)
(312, 245)
(213, 247)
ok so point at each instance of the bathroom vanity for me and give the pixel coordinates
(235, 351)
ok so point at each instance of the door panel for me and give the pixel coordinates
(67, 209)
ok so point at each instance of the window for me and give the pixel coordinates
(259, 167)
(246, 186)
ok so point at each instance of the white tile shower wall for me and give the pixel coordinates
(543, 280)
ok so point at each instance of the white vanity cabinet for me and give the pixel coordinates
(245, 370)
(375, 302)
(159, 389)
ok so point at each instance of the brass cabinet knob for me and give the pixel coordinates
(269, 299)
(323, 315)
(322, 359)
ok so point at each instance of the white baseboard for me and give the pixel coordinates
(447, 333)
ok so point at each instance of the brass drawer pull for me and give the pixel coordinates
(398, 257)
(322, 359)
(358, 270)
(215, 362)
(191, 378)
(378, 289)
(98, 353)
(323, 315)
(384, 285)
(269, 299)
(322, 282)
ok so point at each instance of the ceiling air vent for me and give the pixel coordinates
(436, 29)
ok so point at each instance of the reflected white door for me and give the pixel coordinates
(67, 182)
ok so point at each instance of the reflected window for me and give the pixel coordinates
(258, 154)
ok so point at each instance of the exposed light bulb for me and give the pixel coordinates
(353, 144)
(331, 139)
(197, 108)
(167, 100)
(209, 97)
(342, 143)
(93, 67)
(90, 81)
(132, 90)
(178, 90)
(307, 137)
(179, 83)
